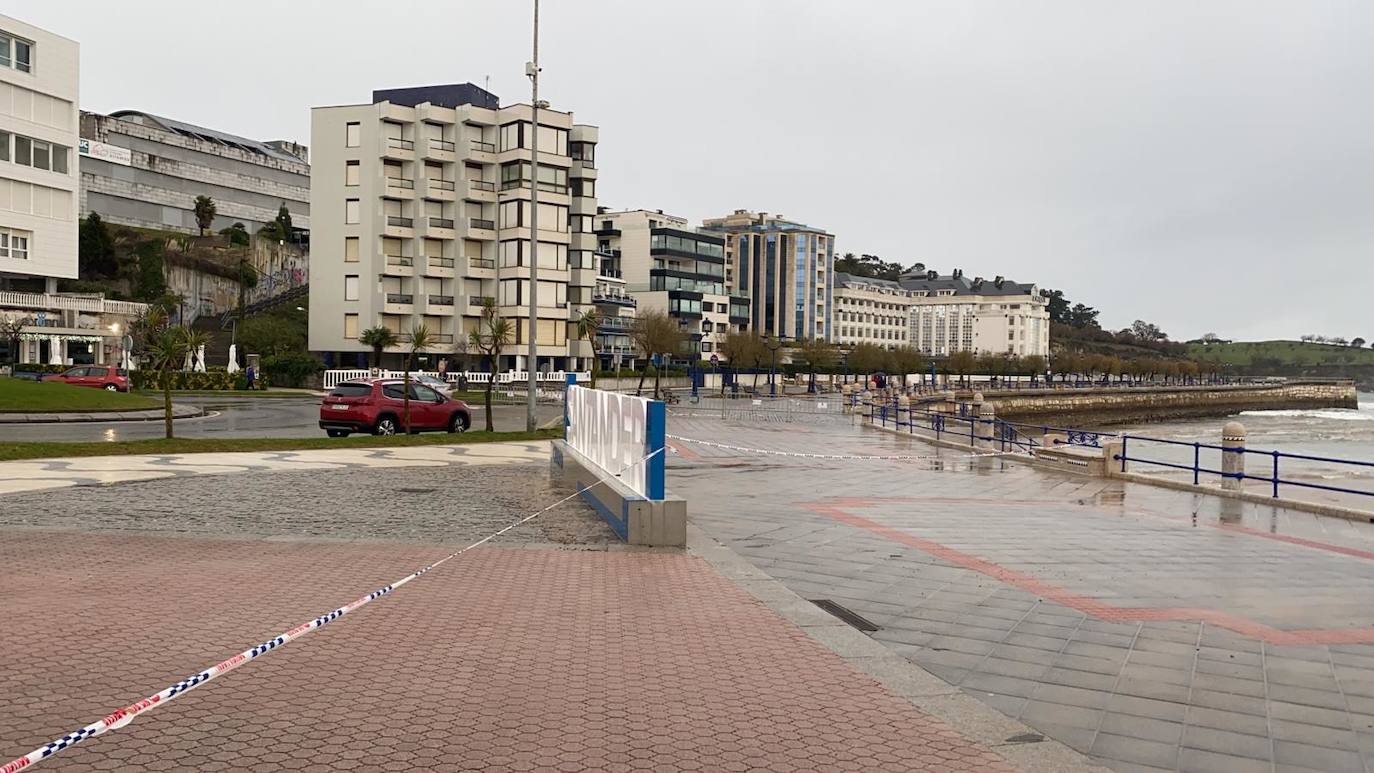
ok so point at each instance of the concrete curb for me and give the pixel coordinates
(927, 692)
(153, 414)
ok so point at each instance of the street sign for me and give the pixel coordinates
(715, 360)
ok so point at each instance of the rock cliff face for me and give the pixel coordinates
(1097, 407)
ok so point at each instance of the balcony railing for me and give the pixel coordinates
(616, 323)
(399, 260)
(443, 185)
(401, 298)
(477, 222)
(444, 145)
(441, 222)
(485, 147)
(443, 338)
(399, 144)
(45, 302)
(441, 300)
(400, 222)
(613, 273)
(480, 300)
(624, 300)
(400, 182)
(481, 263)
(482, 185)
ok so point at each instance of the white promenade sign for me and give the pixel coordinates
(613, 431)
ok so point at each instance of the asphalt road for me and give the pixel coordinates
(277, 417)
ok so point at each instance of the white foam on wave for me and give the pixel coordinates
(1336, 414)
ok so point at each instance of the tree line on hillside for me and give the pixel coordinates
(1313, 338)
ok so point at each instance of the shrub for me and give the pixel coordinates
(289, 370)
(217, 379)
(38, 367)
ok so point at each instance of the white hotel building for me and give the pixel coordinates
(420, 210)
(942, 315)
(39, 182)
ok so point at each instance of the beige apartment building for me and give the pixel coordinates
(39, 182)
(420, 209)
(667, 265)
(942, 315)
(785, 268)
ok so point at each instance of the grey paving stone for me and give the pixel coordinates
(1141, 727)
(994, 665)
(1315, 735)
(1084, 679)
(1318, 758)
(1201, 761)
(1147, 707)
(1089, 664)
(1177, 676)
(994, 684)
(1227, 742)
(1305, 697)
(1236, 722)
(1227, 684)
(1136, 750)
(1058, 714)
(1145, 688)
(1311, 715)
(1071, 696)
(1230, 668)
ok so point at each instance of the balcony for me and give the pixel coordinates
(482, 263)
(442, 185)
(614, 299)
(606, 230)
(395, 221)
(441, 222)
(441, 262)
(397, 148)
(443, 338)
(45, 302)
(482, 185)
(400, 182)
(441, 146)
(440, 300)
(478, 301)
(399, 265)
(483, 147)
(479, 223)
(399, 303)
(616, 323)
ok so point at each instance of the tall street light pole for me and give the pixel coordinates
(532, 356)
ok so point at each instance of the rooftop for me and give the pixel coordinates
(449, 95)
(213, 136)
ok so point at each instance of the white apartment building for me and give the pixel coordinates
(39, 180)
(420, 210)
(786, 268)
(667, 265)
(871, 311)
(955, 313)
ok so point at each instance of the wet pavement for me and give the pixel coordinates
(1152, 629)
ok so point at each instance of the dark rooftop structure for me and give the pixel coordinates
(278, 149)
(450, 95)
(932, 282)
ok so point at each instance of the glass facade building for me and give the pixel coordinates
(786, 268)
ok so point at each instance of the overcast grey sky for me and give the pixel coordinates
(1206, 165)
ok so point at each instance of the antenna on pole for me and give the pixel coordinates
(486, 84)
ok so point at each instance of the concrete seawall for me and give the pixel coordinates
(1103, 406)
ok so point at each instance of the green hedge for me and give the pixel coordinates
(217, 379)
(36, 367)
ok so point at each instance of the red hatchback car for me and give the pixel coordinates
(106, 377)
(377, 406)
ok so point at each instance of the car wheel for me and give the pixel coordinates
(111, 388)
(336, 433)
(459, 423)
(385, 426)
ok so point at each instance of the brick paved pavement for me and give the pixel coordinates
(1151, 628)
(521, 657)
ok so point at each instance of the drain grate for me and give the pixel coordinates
(848, 615)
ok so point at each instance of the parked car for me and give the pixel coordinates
(106, 377)
(437, 384)
(377, 405)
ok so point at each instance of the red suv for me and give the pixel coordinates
(378, 405)
(106, 377)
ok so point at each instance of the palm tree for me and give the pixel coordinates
(490, 336)
(378, 338)
(167, 346)
(420, 340)
(588, 325)
(205, 213)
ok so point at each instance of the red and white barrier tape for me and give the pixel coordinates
(126, 715)
(844, 457)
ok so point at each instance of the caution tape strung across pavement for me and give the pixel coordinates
(845, 457)
(126, 715)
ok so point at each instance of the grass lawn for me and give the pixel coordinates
(1282, 353)
(228, 393)
(21, 396)
(42, 450)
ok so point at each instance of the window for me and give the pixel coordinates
(583, 187)
(353, 135)
(353, 172)
(352, 215)
(16, 53)
(350, 331)
(14, 244)
(351, 249)
(351, 288)
(584, 152)
(4, 146)
(706, 346)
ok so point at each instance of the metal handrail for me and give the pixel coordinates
(1275, 479)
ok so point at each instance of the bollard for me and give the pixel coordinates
(846, 398)
(866, 406)
(903, 412)
(986, 428)
(1233, 456)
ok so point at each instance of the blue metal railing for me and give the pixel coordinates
(1273, 458)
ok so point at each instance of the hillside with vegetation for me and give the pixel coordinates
(1289, 359)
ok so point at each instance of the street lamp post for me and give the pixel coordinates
(773, 343)
(532, 352)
